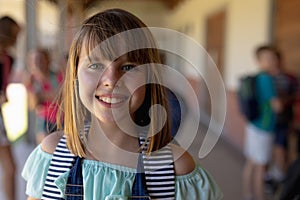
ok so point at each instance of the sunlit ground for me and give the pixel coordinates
(15, 111)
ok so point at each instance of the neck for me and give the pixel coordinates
(110, 144)
(117, 136)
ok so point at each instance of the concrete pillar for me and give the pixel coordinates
(62, 45)
(31, 27)
(31, 43)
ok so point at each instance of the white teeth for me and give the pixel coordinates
(111, 100)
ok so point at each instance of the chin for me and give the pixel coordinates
(109, 119)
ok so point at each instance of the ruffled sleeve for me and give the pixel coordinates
(35, 172)
(197, 185)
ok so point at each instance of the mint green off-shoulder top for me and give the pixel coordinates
(108, 181)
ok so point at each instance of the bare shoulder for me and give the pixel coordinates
(183, 161)
(50, 142)
(30, 198)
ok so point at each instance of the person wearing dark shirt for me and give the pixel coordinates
(285, 86)
(9, 30)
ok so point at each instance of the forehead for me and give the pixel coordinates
(109, 49)
(267, 53)
(113, 49)
(99, 52)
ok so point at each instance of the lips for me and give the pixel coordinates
(111, 100)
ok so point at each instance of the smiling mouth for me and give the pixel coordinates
(111, 101)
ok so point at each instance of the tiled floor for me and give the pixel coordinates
(224, 163)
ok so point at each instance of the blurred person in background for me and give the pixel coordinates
(9, 30)
(259, 132)
(291, 184)
(42, 84)
(285, 86)
(296, 120)
(290, 189)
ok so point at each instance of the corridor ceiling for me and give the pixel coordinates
(168, 3)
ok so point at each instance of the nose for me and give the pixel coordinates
(110, 77)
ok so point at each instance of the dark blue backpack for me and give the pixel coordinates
(247, 97)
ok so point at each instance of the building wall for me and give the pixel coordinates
(47, 23)
(152, 12)
(11, 9)
(248, 25)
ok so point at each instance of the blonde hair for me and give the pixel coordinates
(94, 30)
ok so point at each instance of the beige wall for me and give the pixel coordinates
(15, 9)
(248, 23)
(248, 26)
(47, 23)
(152, 12)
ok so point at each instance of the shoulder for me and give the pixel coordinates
(50, 142)
(183, 161)
(292, 79)
(290, 75)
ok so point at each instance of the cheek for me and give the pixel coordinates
(135, 84)
(139, 94)
(134, 80)
(86, 87)
(137, 98)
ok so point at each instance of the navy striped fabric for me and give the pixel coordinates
(159, 172)
(62, 161)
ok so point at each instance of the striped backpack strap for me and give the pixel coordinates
(62, 161)
(159, 172)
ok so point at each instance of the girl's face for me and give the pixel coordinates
(102, 90)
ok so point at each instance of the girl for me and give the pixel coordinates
(112, 70)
